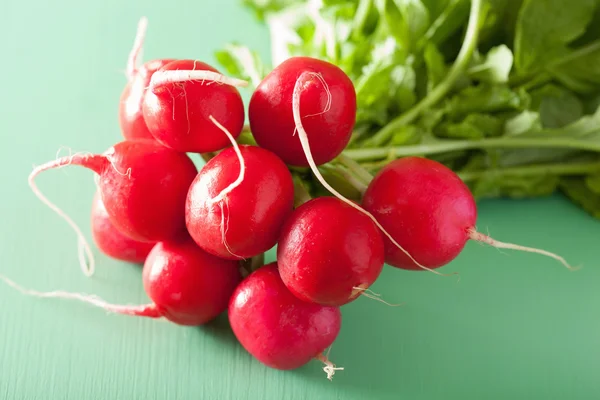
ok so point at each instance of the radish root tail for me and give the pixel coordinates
(135, 55)
(299, 86)
(238, 152)
(88, 265)
(160, 78)
(329, 367)
(480, 237)
(146, 310)
(368, 293)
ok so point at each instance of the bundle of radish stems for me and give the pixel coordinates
(201, 235)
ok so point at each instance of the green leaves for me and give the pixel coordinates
(242, 62)
(545, 27)
(505, 92)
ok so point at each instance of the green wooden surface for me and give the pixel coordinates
(517, 326)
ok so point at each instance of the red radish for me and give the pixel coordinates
(429, 210)
(328, 115)
(278, 329)
(329, 253)
(239, 201)
(131, 119)
(187, 286)
(111, 241)
(143, 186)
(181, 96)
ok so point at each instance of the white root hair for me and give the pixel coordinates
(298, 87)
(146, 310)
(135, 55)
(88, 266)
(160, 78)
(480, 237)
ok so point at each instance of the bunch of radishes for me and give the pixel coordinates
(196, 231)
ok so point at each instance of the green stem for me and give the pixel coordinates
(301, 195)
(444, 146)
(351, 179)
(459, 66)
(354, 167)
(551, 169)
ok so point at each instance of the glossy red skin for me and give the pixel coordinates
(131, 119)
(327, 249)
(188, 285)
(111, 241)
(254, 212)
(277, 328)
(426, 208)
(150, 205)
(177, 114)
(272, 121)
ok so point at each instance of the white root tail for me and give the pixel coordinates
(480, 237)
(329, 367)
(84, 250)
(238, 152)
(368, 293)
(146, 310)
(160, 78)
(302, 79)
(135, 55)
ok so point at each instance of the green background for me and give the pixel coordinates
(516, 326)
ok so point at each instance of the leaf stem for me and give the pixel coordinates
(354, 167)
(545, 169)
(461, 63)
(456, 145)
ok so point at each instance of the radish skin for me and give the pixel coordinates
(111, 241)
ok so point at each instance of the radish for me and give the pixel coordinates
(239, 201)
(181, 96)
(131, 119)
(430, 211)
(111, 241)
(187, 286)
(143, 186)
(329, 110)
(278, 329)
(329, 253)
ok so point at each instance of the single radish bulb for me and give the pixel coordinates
(278, 329)
(111, 241)
(247, 219)
(429, 211)
(181, 97)
(131, 119)
(329, 253)
(328, 111)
